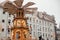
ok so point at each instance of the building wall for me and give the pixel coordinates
(48, 29)
(5, 21)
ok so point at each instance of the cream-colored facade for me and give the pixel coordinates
(43, 25)
(5, 23)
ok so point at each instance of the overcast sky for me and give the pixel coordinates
(52, 7)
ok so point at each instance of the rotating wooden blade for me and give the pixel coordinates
(10, 11)
(19, 2)
(28, 4)
(29, 11)
(35, 8)
(9, 7)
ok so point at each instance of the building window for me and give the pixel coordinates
(43, 34)
(48, 29)
(30, 32)
(9, 21)
(33, 20)
(2, 29)
(36, 20)
(9, 15)
(3, 20)
(34, 27)
(51, 30)
(47, 39)
(30, 19)
(9, 38)
(34, 33)
(40, 22)
(38, 29)
(38, 33)
(46, 35)
(51, 36)
(8, 30)
(50, 24)
(43, 28)
(30, 25)
(3, 12)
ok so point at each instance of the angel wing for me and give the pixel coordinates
(19, 2)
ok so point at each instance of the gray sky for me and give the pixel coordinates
(52, 7)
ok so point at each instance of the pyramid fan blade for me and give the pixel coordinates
(11, 11)
(28, 4)
(27, 11)
(9, 7)
(35, 8)
(5, 9)
(19, 2)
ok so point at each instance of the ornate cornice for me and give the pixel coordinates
(46, 17)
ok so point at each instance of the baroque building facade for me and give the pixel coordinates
(43, 25)
(39, 23)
